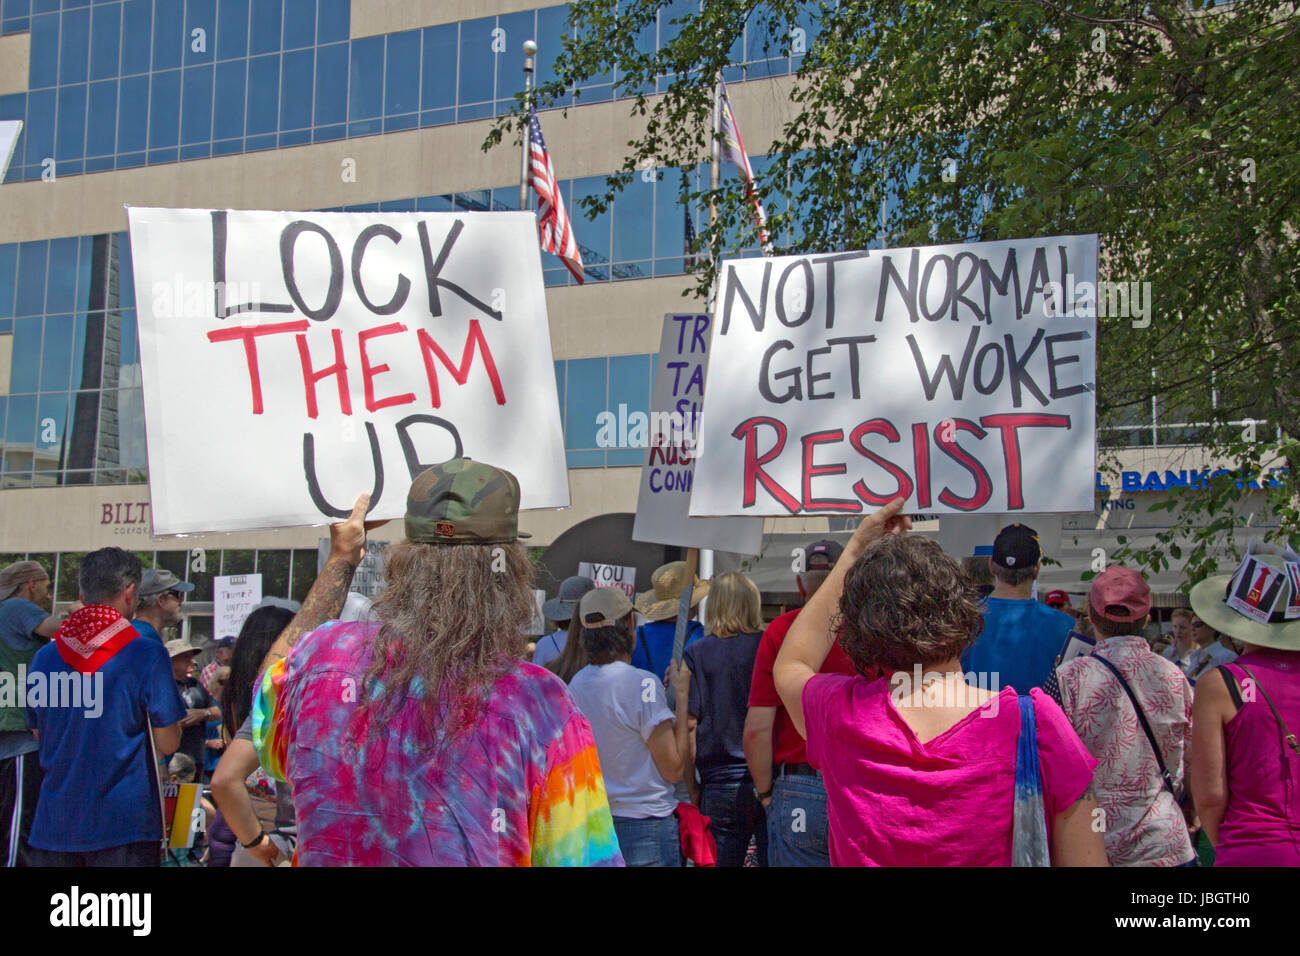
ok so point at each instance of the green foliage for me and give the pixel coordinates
(1169, 129)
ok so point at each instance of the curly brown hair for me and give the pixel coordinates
(905, 602)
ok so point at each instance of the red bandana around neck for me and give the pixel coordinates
(91, 636)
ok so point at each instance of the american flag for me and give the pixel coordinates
(732, 150)
(552, 221)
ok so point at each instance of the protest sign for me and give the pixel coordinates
(9, 130)
(610, 576)
(368, 579)
(233, 597)
(182, 813)
(294, 360)
(671, 430)
(959, 377)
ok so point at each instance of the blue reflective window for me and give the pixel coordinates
(299, 24)
(516, 28)
(51, 432)
(670, 218)
(263, 94)
(105, 41)
(196, 105)
(629, 385)
(44, 47)
(333, 20)
(264, 31)
(402, 73)
(31, 278)
(366, 79)
(232, 29)
(584, 399)
(101, 118)
(170, 39)
(133, 114)
(228, 111)
(137, 36)
(26, 367)
(74, 46)
(200, 15)
(71, 136)
(593, 236)
(559, 387)
(61, 280)
(128, 356)
(332, 84)
(87, 343)
(634, 222)
(122, 251)
(56, 353)
(20, 429)
(476, 62)
(296, 90)
(440, 49)
(8, 278)
(164, 108)
(84, 261)
(552, 27)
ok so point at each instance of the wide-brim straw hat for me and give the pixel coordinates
(665, 595)
(1209, 601)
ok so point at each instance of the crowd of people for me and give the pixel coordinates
(915, 710)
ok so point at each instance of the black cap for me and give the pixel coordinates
(822, 555)
(1016, 547)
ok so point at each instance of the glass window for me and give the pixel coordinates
(516, 27)
(130, 423)
(332, 84)
(170, 38)
(31, 277)
(299, 24)
(263, 94)
(333, 20)
(552, 27)
(69, 567)
(477, 63)
(105, 41)
(85, 259)
(366, 79)
(25, 367)
(238, 561)
(273, 566)
(439, 83)
(4, 404)
(8, 278)
(584, 400)
(128, 371)
(44, 51)
(296, 89)
(51, 432)
(200, 15)
(133, 114)
(592, 235)
(634, 221)
(39, 130)
(20, 431)
(232, 29)
(164, 108)
(56, 356)
(101, 119)
(61, 284)
(228, 118)
(74, 46)
(196, 105)
(559, 387)
(402, 73)
(264, 31)
(87, 349)
(304, 572)
(137, 36)
(629, 384)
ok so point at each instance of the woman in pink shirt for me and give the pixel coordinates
(920, 769)
(1245, 765)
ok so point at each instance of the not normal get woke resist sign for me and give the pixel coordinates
(294, 360)
(960, 377)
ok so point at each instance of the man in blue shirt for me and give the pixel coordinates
(25, 624)
(653, 650)
(1021, 636)
(103, 689)
(161, 596)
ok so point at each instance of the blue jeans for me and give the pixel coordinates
(735, 815)
(653, 841)
(797, 823)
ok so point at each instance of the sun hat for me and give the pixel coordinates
(1259, 603)
(665, 595)
(560, 607)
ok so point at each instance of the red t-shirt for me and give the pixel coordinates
(787, 745)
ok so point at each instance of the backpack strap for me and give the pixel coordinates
(1289, 737)
(645, 648)
(1230, 681)
(1146, 727)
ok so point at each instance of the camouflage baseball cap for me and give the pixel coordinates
(463, 502)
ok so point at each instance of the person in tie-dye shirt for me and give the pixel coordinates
(418, 737)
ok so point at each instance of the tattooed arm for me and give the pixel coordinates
(325, 599)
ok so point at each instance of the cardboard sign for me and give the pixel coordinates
(1256, 589)
(369, 576)
(960, 377)
(233, 597)
(182, 814)
(294, 360)
(672, 429)
(610, 576)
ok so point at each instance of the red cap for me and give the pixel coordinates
(1058, 597)
(1118, 587)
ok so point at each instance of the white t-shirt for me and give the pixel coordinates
(624, 705)
(550, 647)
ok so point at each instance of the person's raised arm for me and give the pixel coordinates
(1207, 772)
(325, 600)
(810, 638)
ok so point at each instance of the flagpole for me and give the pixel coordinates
(530, 50)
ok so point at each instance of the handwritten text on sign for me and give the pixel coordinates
(233, 598)
(293, 360)
(959, 377)
(610, 576)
